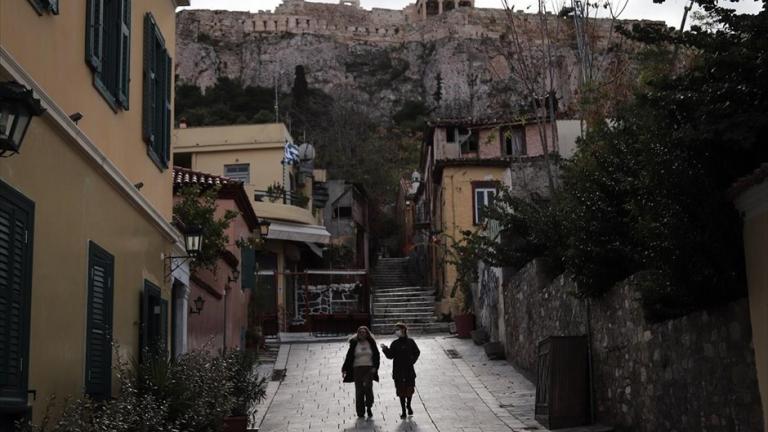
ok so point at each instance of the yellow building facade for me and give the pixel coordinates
(93, 204)
(456, 211)
(752, 202)
(254, 154)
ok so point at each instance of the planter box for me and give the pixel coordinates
(464, 325)
(236, 424)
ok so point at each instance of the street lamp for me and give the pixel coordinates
(199, 303)
(193, 241)
(17, 107)
(264, 228)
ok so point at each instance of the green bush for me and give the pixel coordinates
(191, 393)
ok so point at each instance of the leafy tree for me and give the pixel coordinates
(197, 207)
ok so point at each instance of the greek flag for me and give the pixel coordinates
(291, 154)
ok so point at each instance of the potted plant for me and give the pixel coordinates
(248, 389)
(464, 255)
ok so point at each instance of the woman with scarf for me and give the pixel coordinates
(404, 352)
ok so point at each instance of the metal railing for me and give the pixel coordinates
(288, 198)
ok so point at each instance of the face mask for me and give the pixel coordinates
(398, 333)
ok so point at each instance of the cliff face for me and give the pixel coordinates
(455, 62)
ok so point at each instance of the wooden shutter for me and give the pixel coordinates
(124, 67)
(150, 327)
(16, 218)
(163, 344)
(167, 107)
(149, 80)
(248, 266)
(98, 359)
(94, 34)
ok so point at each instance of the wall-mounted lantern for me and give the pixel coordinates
(264, 228)
(17, 107)
(193, 241)
(199, 303)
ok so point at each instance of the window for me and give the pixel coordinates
(513, 141)
(42, 6)
(483, 197)
(157, 94)
(183, 160)
(16, 223)
(344, 212)
(239, 172)
(108, 48)
(153, 334)
(98, 351)
(450, 135)
(469, 140)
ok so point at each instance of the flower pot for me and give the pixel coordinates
(236, 424)
(464, 325)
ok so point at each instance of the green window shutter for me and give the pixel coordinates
(149, 80)
(94, 34)
(124, 68)
(16, 216)
(98, 358)
(164, 327)
(167, 107)
(248, 265)
(150, 321)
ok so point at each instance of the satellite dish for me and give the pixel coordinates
(306, 152)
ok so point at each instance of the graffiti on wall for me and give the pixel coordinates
(486, 300)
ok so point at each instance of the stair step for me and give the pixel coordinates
(403, 304)
(403, 288)
(393, 321)
(437, 327)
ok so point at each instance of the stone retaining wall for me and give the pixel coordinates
(695, 373)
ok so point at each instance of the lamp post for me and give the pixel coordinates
(17, 107)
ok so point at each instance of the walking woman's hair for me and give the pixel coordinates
(368, 332)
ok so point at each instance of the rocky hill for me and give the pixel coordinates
(456, 62)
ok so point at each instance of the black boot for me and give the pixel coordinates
(402, 405)
(370, 414)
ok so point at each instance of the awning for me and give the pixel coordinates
(314, 248)
(298, 232)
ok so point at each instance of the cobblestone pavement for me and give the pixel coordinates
(470, 393)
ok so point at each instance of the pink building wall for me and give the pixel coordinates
(207, 330)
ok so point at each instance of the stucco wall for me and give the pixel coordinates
(457, 210)
(694, 373)
(206, 330)
(76, 203)
(52, 49)
(756, 251)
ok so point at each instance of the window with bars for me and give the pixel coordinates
(157, 94)
(239, 172)
(108, 48)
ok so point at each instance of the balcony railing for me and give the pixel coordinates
(288, 198)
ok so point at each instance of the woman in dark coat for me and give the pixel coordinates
(404, 352)
(361, 366)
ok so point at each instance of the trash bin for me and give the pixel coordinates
(562, 382)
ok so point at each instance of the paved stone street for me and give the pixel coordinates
(470, 393)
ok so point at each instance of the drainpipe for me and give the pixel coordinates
(226, 299)
(589, 363)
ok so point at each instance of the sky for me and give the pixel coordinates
(671, 11)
